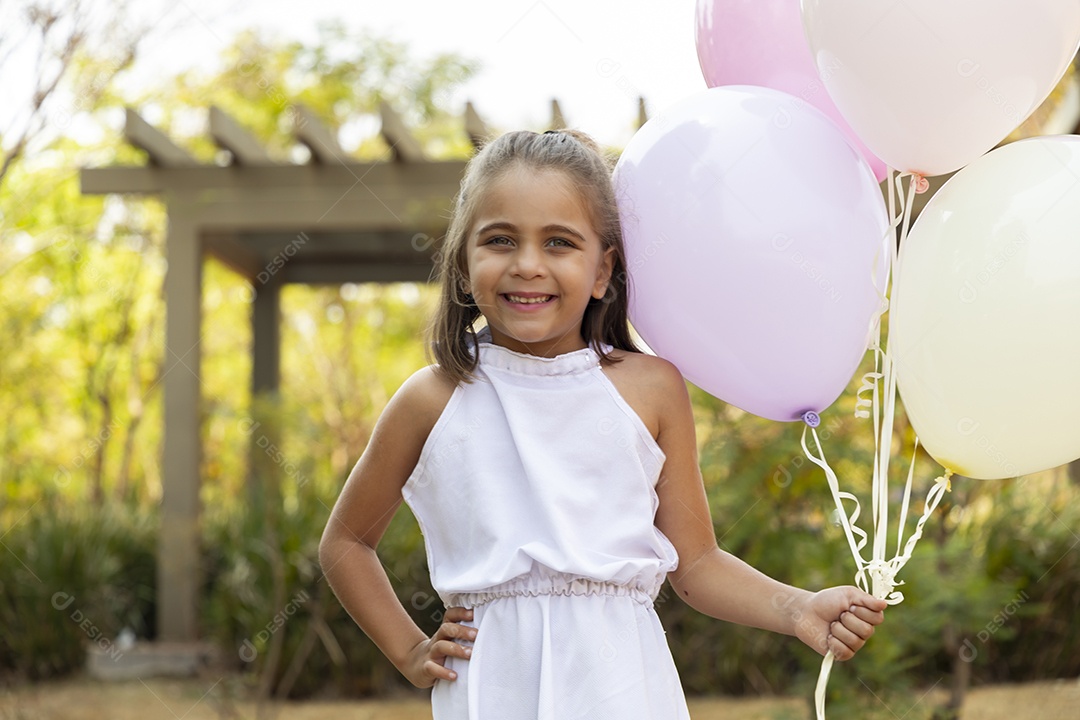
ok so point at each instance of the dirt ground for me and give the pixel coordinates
(209, 699)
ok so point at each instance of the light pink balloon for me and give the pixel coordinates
(751, 227)
(761, 42)
(930, 85)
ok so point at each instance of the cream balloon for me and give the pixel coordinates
(930, 85)
(985, 327)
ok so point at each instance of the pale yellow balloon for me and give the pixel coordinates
(985, 327)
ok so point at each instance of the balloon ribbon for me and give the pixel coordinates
(877, 575)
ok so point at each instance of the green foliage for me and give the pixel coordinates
(1035, 542)
(264, 584)
(71, 579)
(81, 277)
(342, 78)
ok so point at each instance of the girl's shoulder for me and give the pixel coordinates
(642, 368)
(428, 392)
(646, 383)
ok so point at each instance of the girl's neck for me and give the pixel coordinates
(547, 348)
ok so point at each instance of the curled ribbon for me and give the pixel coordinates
(878, 575)
(863, 404)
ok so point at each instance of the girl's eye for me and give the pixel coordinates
(501, 239)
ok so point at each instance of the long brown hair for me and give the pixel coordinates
(578, 156)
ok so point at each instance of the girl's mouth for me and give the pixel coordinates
(519, 302)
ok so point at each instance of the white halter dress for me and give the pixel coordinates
(535, 493)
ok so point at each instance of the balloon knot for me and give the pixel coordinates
(921, 183)
(883, 580)
(811, 418)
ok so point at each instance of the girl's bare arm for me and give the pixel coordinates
(358, 521)
(719, 584)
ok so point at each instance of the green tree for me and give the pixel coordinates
(82, 310)
(56, 58)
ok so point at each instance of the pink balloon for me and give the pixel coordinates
(761, 42)
(931, 85)
(751, 227)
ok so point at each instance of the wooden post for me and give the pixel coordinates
(179, 572)
(264, 442)
(267, 466)
(265, 334)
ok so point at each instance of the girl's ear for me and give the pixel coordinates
(603, 275)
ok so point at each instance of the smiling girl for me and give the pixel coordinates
(552, 467)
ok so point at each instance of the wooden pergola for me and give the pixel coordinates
(332, 220)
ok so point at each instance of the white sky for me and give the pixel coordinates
(595, 56)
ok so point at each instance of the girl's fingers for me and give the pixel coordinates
(442, 649)
(451, 648)
(839, 650)
(448, 642)
(438, 671)
(873, 617)
(856, 625)
(870, 602)
(457, 614)
(455, 630)
(839, 632)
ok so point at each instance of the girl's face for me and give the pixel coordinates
(534, 261)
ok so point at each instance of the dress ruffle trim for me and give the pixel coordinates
(497, 356)
(534, 584)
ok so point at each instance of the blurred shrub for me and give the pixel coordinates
(71, 578)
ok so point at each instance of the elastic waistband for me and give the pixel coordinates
(532, 585)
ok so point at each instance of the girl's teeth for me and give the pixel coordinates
(528, 301)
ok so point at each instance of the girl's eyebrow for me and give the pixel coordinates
(510, 227)
(565, 230)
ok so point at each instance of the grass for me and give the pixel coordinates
(211, 698)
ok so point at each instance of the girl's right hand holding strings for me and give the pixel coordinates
(426, 662)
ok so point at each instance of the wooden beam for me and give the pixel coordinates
(319, 139)
(339, 272)
(357, 196)
(475, 127)
(402, 245)
(558, 122)
(141, 179)
(397, 136)
(228, 135)
(162, 151)
(130, 179)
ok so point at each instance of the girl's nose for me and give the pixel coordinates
(529, 261)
